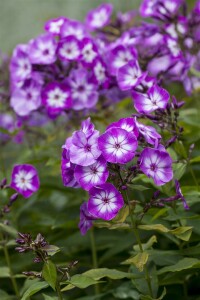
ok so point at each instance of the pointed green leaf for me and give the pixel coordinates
(183, 233)
(34, 288)
(81, 281)
(49, 273)
(183, 264)
(110, 273)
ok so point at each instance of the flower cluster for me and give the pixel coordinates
(104, 165)
(74, 64)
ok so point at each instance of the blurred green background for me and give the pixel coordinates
(21, 20)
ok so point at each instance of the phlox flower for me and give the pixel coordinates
(27, 99)
(56, 97)
(118, 145)
(84, 150)
(25, 180)
(130, 75)
(72, 27)
(42, 50)
(53, 26)
(99, 17)
(155, 98)
(157, 165)
(149, 133)
(105, 201)
(127, 124)
(69, 48)
(95, 174)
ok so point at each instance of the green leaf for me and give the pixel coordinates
(51, 249)
(139, 260)
(46, 297)
(81, 281)
(157, 227)
(183, 233)
(138, 187)
(34, 288)
(4, 272)
(143, 297)
(146, 245)
(183, 264)
(104, 272)
(160, 213)
(49, 273)
(8, 229)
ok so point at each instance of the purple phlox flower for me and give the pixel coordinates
(20, 66)
(25, 180)
(69, 48)
(93, 175)
(127, 124)
(105, 201)
(83, 91)
(99, 17)
(56, 97)
(72, 27)
(84, 150)
(155, 98)
(114, 95)
(53, 26)
(100, 71)
(67, 173)
(119, 57)
(179, 193)
(118, 145)
(149, 133)
(86, 219)
(160, 9)
(130, 75)
(42, 50)
(27, 99)
(156, 164)
(88, 52)
(179, 28)
(37, 119)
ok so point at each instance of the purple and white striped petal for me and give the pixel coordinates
(118, 145)
(86, 219)
(93, 175)
(127, 124)
(150, 134)
(105, 201)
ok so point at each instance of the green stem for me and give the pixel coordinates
(59, 291)
(94, 257)
(14, 283)
(137, 236)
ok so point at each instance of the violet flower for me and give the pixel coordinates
(25, 180)
(105, 201)
(156, 164)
